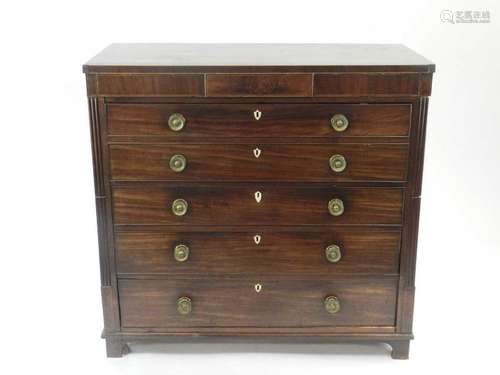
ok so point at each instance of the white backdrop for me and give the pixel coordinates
(51, 313)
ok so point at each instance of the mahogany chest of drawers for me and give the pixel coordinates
(258, 192)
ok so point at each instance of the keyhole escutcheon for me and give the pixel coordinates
(257, 114)
(258, 196)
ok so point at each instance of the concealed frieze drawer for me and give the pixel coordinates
(151, 84)
(241, 85)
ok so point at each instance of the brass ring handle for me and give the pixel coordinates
(339, 122)
(179, 207)
(332, 304)
(176, 122)
(333, 253)
(181, 253)
(336, 207)
(178, 163)
(338, 163)
(184, 305)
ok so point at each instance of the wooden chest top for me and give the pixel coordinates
(284, 70)
(168, 58)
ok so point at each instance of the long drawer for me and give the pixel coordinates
(190, 162)
(254, 204)
(236, 302)
(280, 253)
(258, 120)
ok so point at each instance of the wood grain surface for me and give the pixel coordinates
(225, 204)
(278, 162)
(277, 120)
(282, 254)
(234, 302)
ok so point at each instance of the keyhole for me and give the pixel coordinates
(258, 288)
(257, 114)
(258, 196)
(256, 152)
(257, 239)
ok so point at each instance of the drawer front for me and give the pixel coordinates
(281, 254)
(259, 84)
(276, 120)
(235, 302)
(366, 84)
(358, 162)
(255, 204)
(151, 84)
